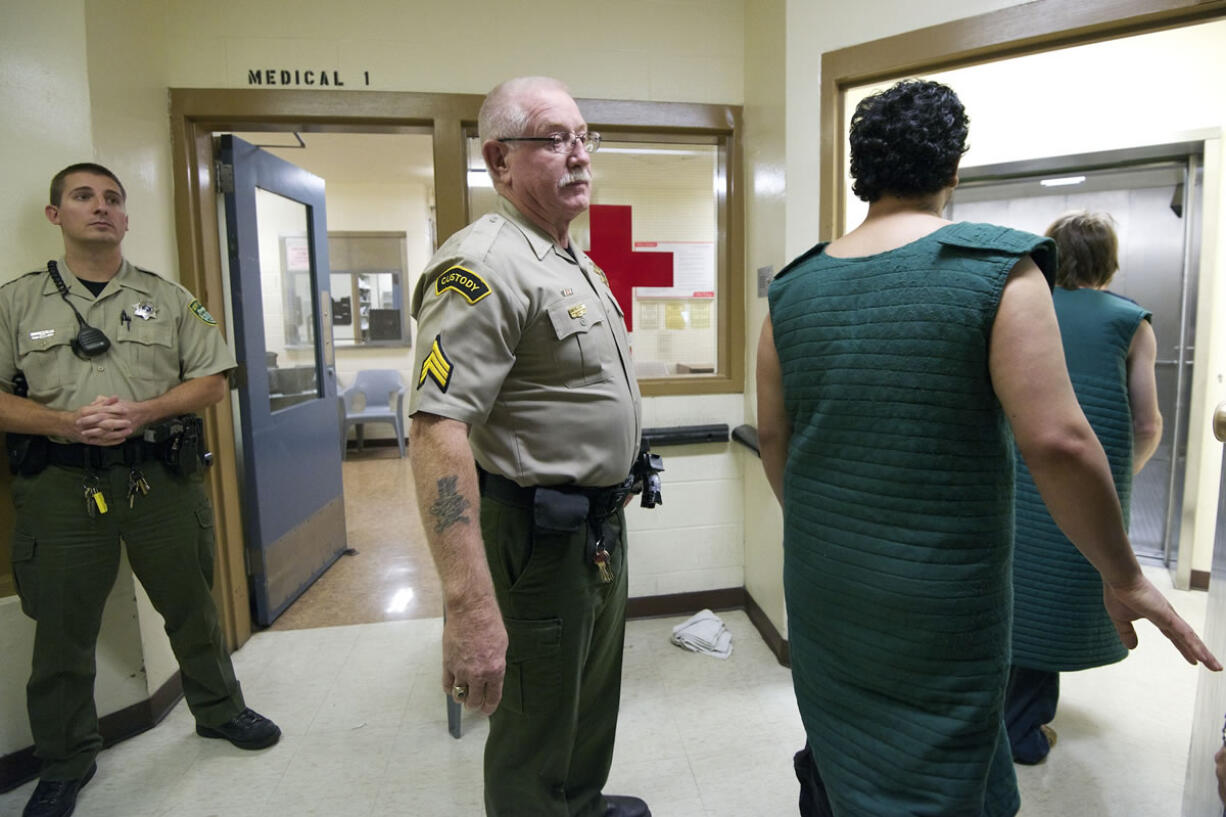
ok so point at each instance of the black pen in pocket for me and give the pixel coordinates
(125, 320)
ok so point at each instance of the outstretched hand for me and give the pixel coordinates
(1143, 600)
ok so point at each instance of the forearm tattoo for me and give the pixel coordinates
(450, 506)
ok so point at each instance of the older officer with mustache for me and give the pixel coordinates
(524, 366)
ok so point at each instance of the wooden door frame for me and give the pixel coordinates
(196, 114)
(1029, 28)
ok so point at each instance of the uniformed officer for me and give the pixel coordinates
(524, 365)
(109, 352)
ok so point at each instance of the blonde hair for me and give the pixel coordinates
(1088, 249)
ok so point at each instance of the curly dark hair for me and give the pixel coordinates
(907, 140)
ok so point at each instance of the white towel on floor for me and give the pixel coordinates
(704, 632)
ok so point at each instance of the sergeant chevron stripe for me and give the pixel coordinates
(436, 366)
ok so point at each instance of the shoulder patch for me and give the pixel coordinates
(437, 366)
(464, 281)
(200, 312)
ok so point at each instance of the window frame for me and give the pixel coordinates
(729, 374)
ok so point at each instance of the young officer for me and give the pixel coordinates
(524, 363)
(99, 360)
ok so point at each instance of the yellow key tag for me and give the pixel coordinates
(100, 501)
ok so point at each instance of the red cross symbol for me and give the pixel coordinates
(612, 251)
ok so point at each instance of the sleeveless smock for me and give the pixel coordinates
(898, 520)
(1059, 622)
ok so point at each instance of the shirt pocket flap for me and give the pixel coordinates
(572, 317)
(149, 333)
(49, 337)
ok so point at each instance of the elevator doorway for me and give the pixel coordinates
(1154, 197)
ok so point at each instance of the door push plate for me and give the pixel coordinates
(326, 321)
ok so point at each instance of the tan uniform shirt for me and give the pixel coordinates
(528, 346)
(160, 337)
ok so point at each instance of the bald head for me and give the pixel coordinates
(505, 111)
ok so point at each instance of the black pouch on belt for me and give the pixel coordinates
(556, 512)
(27, 453)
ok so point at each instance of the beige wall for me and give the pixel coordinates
(814, 28)
(88, 81)
(765, 117)
(46, 121)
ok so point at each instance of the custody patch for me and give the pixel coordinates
(436, 366)
(464, 281)
(200, 312)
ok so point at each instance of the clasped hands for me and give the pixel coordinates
(107, 421)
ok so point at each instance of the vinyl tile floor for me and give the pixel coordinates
(365, 733)
(388, 574)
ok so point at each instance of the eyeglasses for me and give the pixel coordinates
(563, 141)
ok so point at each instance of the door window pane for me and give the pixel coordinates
(670, 192)
(287, 276)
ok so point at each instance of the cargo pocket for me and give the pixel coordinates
(205, 547)
(25, 572)
(534, 673)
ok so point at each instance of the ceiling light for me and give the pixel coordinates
(1063, 181)
(606, 148)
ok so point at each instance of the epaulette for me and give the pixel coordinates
(42, 271)
(481, 235)
(972, 235)
(815, 250)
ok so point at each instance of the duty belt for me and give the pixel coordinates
(604, 501)
(80, 455)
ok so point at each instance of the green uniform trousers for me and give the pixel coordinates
(64, 565)
(550, 745)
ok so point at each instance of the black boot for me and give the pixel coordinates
(246, 730)
(57, 798)
(622, 806)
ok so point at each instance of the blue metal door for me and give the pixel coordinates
(290, 443)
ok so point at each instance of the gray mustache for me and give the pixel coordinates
(579, 174)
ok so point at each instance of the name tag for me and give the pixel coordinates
(42, 334)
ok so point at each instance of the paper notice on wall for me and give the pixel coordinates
(648, 316)
(700, 315)
(674, 316)
(693, 269)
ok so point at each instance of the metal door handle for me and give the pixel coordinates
(1219, 422)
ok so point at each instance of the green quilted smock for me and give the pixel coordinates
(898, 520)
(1059, 622)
